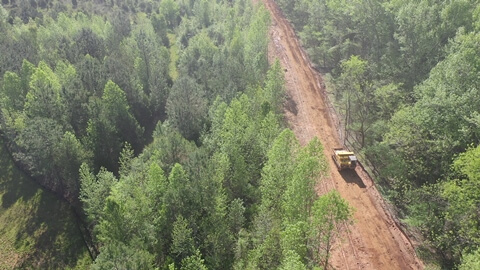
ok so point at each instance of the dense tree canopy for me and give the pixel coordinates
(159, 121)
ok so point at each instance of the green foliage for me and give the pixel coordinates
(183, 245)
(328, 212)
(151, 64)
(292, 261)
(405, 83)
(300, 193)
(3, 17)
(94, 191)
(278, 170)
(463, 199)
(182, 196)
(426, 136)
(440, 123)
(236, 215)
(91, 74)
(68, 157)
(171, 11)
(470, 261)
(12, 91)
(293, 242)
(256, 42)
(99, 91)
(44, 99)
(37, 142)
(198, 61)
(281, 227)
(111, 123)
(210, 199)
(118, 255)
(111, 226)
(194, 262)
(186, 107)
(168, 147)
(389, 100)
(37, 229)
(234, 133)
(361, 99)
(273, 94)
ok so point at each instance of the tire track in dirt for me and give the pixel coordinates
(375, 240)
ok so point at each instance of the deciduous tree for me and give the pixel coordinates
(329, 213)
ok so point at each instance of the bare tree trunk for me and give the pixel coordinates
(347, 118)
(327, 249)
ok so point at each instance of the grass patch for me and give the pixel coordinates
(172, 67)
(37, 231)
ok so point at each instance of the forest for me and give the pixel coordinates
(404, 76)
(160, 123)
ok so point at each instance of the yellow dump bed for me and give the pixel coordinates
(344, 153)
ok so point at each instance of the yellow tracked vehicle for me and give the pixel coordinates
(344, 159)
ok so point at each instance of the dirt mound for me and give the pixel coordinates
(375, 240)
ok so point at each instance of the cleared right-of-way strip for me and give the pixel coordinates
(374, 241)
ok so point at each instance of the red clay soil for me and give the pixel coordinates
(374, 241)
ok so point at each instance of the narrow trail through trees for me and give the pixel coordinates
(374, 241)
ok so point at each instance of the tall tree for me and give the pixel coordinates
(256, 43)
(463, 201)
(152, 68)
(94, 190)
(183, 245)
(357, 95)
(37, 144)
(110, 125)
(300, 193)
(12, 95)
(278, 170)
(68, 156)
(44, 97)
(329, 213)
(186, 107)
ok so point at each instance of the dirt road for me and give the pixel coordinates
(374, 241)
